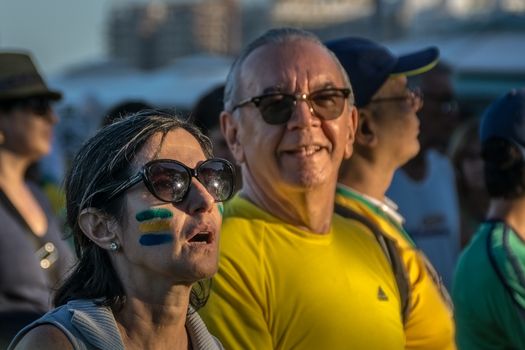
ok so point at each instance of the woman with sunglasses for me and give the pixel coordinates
(141, 202)
(33, 257)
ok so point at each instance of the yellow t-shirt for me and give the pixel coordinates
(281, 287)
(430, 323)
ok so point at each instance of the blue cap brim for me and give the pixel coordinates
(417, 62)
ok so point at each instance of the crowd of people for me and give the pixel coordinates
(335, 198)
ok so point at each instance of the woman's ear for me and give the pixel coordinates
(230, 130)
(99, 227)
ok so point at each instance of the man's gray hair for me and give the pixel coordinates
(275, 36)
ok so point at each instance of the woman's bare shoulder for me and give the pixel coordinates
(44, 337)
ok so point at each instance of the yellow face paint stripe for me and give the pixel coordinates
(155, 226)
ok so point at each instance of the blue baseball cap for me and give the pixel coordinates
(369, 64)
(505, 118)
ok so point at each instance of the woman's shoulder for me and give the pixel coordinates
(44, 336)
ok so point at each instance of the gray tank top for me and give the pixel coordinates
(89, 326)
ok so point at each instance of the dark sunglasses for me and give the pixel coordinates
(277, 108)
(169, 180)
(412, 100)
(38, 105)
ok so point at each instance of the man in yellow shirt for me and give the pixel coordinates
(386, 138)
(291, 273)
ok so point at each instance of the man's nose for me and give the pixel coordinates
(303, 114)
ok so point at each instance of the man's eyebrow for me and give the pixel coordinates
(273, 89)
(326, 85)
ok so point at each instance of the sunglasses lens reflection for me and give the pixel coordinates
(217, 177)
(171, 181)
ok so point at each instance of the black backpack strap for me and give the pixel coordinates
(389, 247)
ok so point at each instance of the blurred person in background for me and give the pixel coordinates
(489, 284)
(425, 187)
(33, 256)
(123, 109)
(465, 154)
(206, 114)
(386, 138)
(142, 198)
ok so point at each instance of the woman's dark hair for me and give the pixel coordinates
(101, 165)
(504, 168)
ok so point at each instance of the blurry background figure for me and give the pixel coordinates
(489, 285)
(124, 108)
(33, 257)
(425, 188)
(205, 114)
(465, 154)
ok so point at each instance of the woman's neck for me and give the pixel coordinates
(12, 168)
(150, 325)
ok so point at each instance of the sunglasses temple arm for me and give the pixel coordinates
(123, 187)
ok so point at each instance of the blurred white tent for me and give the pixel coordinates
(91, 90)
(178, 85)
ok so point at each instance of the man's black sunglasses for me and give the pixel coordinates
(170, 180)
(277, 107)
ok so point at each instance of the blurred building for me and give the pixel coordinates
(149, 35)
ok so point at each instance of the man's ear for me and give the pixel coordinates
(366, 135)
(230, 130)
(353, 122)
(98, 227)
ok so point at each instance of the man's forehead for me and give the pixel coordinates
(290, 64)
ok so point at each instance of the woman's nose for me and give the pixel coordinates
(199, 199)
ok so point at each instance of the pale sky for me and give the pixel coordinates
(61, 33)
(58, 32)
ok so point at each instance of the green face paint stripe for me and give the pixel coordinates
(155, 226)
(154, 213)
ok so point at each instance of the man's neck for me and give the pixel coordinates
(511, 211)
(367, 177)
(310, 209)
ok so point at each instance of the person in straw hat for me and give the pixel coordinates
(33, 257)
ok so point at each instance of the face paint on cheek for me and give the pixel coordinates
(155, 226)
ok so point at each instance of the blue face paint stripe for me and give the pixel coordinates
(154, 213)
(155, 239)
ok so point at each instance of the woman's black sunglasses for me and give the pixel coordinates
(277, 107)
(169, 180)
